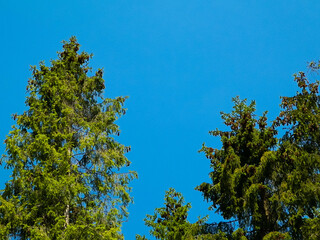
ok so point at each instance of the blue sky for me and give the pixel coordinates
(180, 63)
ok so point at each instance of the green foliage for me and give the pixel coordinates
(138, 237)
(170, 222)
(277, 236)
(237, 189)
(299, 160)
(270, 186)
(66, 181)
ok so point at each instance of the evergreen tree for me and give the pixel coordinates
(238, 191)
(66, 180)
(298, 160)
(170, 222)
(270, 186)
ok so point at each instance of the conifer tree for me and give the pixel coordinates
(299, 160)
(270, 187)
(236, 190)
(66, 181)
(170, 222)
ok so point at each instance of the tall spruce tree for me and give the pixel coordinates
(66, 180)
(239, 189)
(298, 160)
(270, 187)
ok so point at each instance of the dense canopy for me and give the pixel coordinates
(66, 181)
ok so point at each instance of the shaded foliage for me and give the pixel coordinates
(269, 185)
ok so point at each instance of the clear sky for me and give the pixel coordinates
(179, 61)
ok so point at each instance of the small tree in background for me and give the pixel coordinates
(65, 162)
(170, 222)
